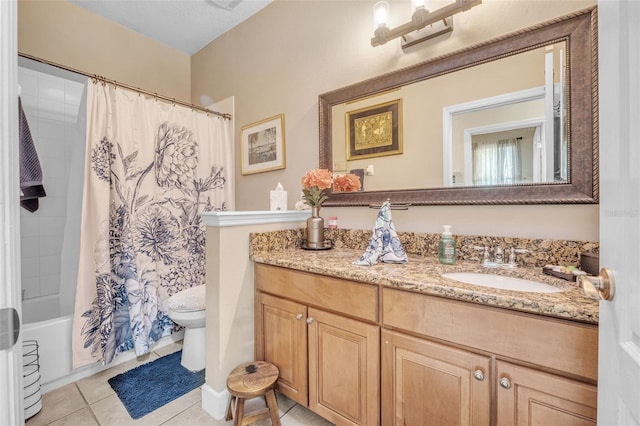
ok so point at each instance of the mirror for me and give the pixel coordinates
(432, 135)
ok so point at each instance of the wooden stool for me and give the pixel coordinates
(248, 381)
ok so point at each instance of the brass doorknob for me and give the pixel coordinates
(601, 287)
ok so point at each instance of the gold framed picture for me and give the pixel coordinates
(375, 131)
(262, 145)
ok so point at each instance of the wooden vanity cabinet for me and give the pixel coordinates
(323, 335)
(526, 396)
(477, 365)
(423, 381)
(434, 360)
(282, 340)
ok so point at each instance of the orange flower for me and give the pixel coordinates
(320, 178)
(315, 181)
(346, 183)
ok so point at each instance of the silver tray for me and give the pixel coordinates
(328, 244)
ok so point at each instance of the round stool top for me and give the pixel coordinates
(252, 379)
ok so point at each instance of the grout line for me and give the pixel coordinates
(181, 412)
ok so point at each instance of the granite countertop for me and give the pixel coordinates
(423, 275)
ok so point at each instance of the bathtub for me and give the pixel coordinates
(55, 355)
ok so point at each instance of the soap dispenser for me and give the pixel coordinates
(447, 247)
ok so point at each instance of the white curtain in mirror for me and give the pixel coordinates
(497, 163)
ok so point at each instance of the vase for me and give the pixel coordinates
(315, 229)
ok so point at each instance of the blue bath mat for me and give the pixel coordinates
(150, 386)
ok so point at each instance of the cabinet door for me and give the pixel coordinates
(281, 339)
(344, 369)
(530, 397)
(425, 383)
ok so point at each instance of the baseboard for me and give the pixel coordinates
(214, 402)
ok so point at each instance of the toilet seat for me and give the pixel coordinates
(189, 300)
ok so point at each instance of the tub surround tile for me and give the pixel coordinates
(423, 275)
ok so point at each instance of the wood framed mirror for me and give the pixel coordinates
(576, 182)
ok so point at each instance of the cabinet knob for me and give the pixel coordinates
(309, 320)
(505, 383)
(479, 375)
(299, 316)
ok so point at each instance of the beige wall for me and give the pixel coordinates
(290, 52)
(69, 35)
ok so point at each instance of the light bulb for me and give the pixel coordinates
(380, 14)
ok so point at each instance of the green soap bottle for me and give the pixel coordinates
(447, 247)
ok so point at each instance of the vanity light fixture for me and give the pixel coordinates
(427, 24)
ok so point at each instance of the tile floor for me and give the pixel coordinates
(91, 402)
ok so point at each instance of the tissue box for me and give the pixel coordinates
(278, 200)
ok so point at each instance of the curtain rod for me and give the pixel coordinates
(126, 86)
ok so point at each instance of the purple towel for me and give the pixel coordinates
(30, 172)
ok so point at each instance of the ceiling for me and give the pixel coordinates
(185, 25)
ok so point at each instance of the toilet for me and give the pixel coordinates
(187, 308)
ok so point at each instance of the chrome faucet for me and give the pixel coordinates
(498, 256)
(512, 256)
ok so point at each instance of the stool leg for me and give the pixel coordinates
(273, 407)
(229, 415)
(239, 414)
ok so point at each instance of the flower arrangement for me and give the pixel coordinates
(315, 181)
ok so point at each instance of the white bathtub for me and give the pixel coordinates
(54, 347)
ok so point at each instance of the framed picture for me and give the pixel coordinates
(262, 145)
(375, 131)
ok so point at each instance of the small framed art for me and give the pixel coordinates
(263, 145)
(375, 131)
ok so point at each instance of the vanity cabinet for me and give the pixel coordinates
(366, 354)
(474, 364)
(323, 335)
(423, 381)
(526, 396)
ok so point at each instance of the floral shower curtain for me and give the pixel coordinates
(151, 168)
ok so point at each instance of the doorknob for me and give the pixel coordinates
(601, 287)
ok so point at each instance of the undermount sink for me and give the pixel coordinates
(502, 282)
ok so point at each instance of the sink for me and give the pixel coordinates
(502, 282)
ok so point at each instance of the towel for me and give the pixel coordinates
(30, 172)
(385, 244)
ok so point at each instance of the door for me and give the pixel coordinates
(530, 397)
(619, 89)
(282, 340)
(423, 381)
(11, 411)
(344, 366)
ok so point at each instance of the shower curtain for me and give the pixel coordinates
(151, 167)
